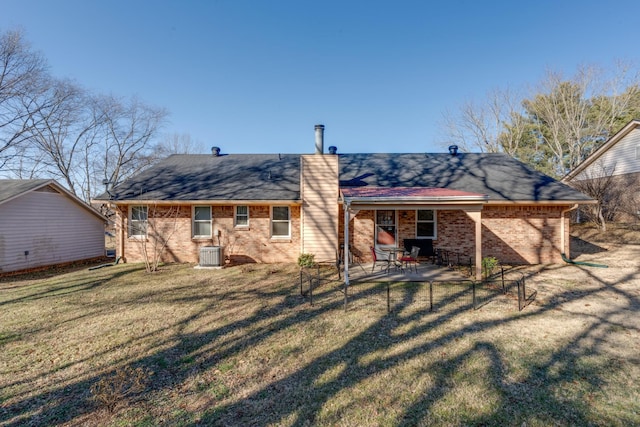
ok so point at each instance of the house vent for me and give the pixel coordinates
(215, 151)
(453, 150)
(333, 149)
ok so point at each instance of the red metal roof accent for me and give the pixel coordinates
(402, 192)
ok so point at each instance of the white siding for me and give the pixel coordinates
(320, 206)
(51, 227)
(621, 158)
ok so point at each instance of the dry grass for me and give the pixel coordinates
(239, 346)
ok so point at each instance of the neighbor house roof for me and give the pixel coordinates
(633, 124)
(14, 188)
(276, 177)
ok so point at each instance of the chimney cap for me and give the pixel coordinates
(453, 150)
(215, 151)
(319, 126)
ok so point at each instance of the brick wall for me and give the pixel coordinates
(241, 244)
(456, 232)
(524, 234)
(513, 234)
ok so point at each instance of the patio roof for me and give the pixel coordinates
(376, 196)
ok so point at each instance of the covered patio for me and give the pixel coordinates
(406, 199)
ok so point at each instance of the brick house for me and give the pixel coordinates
(273, 207)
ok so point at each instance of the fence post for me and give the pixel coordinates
(388, 298)
(504, 289)
(520, 294)
(301, 292)
(473, 287)
(430, 295)
(310, 290)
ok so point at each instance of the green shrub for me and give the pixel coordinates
(306, 260)
(488, 264)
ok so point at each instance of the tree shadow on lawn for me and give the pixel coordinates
(68, 287)
(305, 402)
(299, 398)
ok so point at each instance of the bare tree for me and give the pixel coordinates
(161, 225)
(480, 126)
(600, 183)
(573, 117)
(177, 143)
(22, 73)
(59, 133)
(559, 126)
(130, 129)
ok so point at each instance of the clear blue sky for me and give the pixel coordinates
(256, 76)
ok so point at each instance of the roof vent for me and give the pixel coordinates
(453, 150)
(333, 149)
(215, 151)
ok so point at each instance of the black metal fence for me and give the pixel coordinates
(429, 296)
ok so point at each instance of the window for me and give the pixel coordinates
(242, 216)
(426, 224)
(139, 221)
(202, 221)
(386, 228)
(638, 152)
(280, 223)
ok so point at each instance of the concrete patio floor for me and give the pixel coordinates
(426, 272)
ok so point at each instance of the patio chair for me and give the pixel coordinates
(380, 257)
(412, 258)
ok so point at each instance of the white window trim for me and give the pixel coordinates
(288, 236)
(193, 222)
(376, 224)
(131, 227)
(235, 217)
(435, 224)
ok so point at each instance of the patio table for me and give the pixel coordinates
(393, 256)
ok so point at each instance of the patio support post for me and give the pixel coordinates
(345, 252)
(477, 219)
(122, 236)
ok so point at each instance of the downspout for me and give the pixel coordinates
(562, 240)
(345, 252)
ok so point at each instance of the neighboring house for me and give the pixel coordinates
(43, 224)
(273, 207)
(617, 161)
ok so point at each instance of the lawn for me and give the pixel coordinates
(240, 346)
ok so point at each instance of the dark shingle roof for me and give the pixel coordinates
(277, 177)
(499, 176)
(10, 188)
(207, 177)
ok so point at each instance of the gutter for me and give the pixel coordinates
(225, 202)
